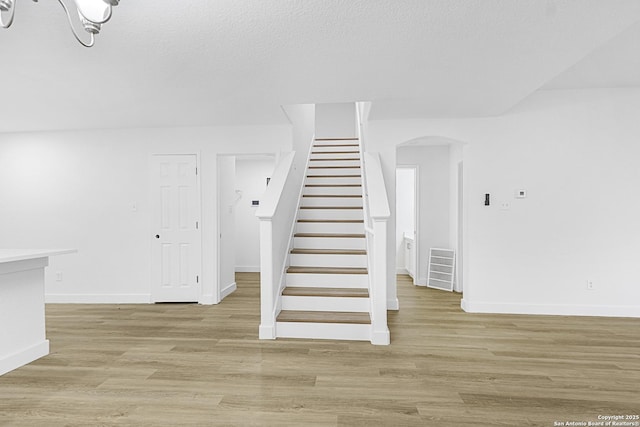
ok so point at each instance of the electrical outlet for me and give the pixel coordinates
(59, 276)
(590, 285)
(505, 206)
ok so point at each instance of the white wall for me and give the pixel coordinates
(226, 225)
(336, 120)
(576, 153)
(433, 187)
(372, 144)
(77, 190)
(303, 119)
(251, 175)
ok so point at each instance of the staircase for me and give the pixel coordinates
(327, 284)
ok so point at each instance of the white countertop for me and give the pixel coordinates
(10, 255)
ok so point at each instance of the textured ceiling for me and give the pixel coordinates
(229, 62)
(614, 64)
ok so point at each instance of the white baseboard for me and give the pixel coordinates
(393, 304)
(551, 310)
(248, 269)
(267, 332)
(400, 270)
(208, 300)
(421, 282)
(97, 298)
(380, 337)
(15, 360)
(228, 290)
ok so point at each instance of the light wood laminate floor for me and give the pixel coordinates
(191, 365)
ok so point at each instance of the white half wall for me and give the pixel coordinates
(251, 180)
(90, 190)
(576, 154)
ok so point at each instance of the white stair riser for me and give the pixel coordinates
(331, 201)
(329, 243)
(328, 280)
(325, 260)
(333, 190)
(360, 305)
(325, 163)
(330, 227)
(334, 181)
(319, 170)
(325, 148)
(330, 331)
(330, 214)
(334, 142)
(335, 155)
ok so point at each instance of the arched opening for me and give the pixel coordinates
(430, 206)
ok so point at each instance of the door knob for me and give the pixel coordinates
(157, 236)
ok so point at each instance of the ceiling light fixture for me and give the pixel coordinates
(92, 14)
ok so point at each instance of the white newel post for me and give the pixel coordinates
(380, 330)
(267, 328)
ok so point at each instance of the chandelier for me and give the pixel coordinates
(92, 14)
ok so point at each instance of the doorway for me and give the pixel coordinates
(439, 208)
(407, 252)
(242, 180)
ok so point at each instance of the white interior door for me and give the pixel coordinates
(176, 247)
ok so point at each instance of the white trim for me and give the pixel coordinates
(208, 300)
(402, 270)
(21, 358)
(267, 332)
(228, 290)
(97, 298)
(247, 269)
(551, 309)
(380, 337)
(393, 304)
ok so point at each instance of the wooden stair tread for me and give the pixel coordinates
(333, 221)
(327, 270)
(294, 291)
(334, 176)
(331, 235)
(338, 159)
(336, 152)
(334, 145)
(337, 139)
(324, 317)
(331, 207)
(334, 167)
(332, 195)
(328, 251)
(333, 185)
